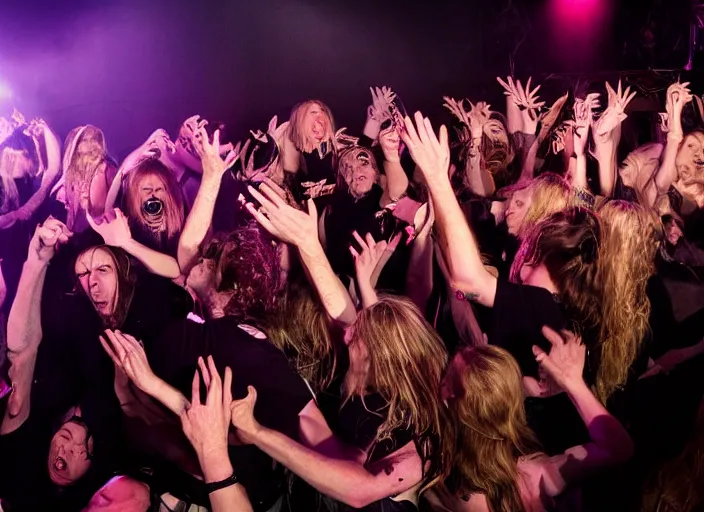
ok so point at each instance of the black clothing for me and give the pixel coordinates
(281, 393)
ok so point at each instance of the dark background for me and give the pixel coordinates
(130, 66)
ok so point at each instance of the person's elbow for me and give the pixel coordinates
(623, 450)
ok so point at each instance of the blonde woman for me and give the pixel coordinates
(498, 466)
(629, 243)
(375, 437)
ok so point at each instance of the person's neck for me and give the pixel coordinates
(540, 277)
(178, 168)
(214, 305)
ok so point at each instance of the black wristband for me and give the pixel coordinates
(216, 486)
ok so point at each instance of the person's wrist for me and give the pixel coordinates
(35, 262)
(574, 386)
(392, 157)
(310, 247)
(215, 464)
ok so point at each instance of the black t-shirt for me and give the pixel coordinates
(359, 419)
(24, 479)
(357, 423)
(281, 393)
(519, 314)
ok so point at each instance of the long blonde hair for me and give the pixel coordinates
(81, 167)
(406, 362)
(173, 204)
(300, 328)
(626, 262)
(550, 193)
(485, 398)
(296, 132)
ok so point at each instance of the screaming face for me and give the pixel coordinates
(359, 171)
(96, 271)
(70, 452)
(690, 158)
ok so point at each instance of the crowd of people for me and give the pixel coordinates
(504, 315)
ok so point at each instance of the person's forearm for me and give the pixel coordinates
(172, 398)
(605, 431)
(458, 243)
(473, 174)
(578, 174)
(53, 158)
(198, 223)
(233, 498)
(605, 152)
(342, 480)
(667, 173)
(396, 180)
(24, 329)
(156, 262)
(113, 191)
(367, 293)
(335, 298)
(528, 166)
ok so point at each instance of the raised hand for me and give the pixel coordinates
(525, 100)
(129, 357)
(614, 114)
(242, 412)
(678, 95)
(456, 108)
(368, 256)
(382, 98)
(390, 142)
(115, 229)
(430, 153)
(565, 362)
(583, 113)
(47, 239)
(214, 165)
(283, 221)
(206, 425)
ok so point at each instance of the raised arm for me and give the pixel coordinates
(609, 443)
(396, 182)
(369, 257)
(300, 229)
(583, 117)
(456, 239)
(342, 479)
(24, 330)
(128, 355)
(678, 96)
(115, 230)
(201, 216)
(39, 129)
(607, 133)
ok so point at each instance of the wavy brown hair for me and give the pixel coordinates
(627, 260)
(247, 267)
(485, 397)
(406, 362)
(567, 243)
(300, 328)
(173, 205)
(296, 132)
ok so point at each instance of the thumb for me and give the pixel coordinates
(251, 394)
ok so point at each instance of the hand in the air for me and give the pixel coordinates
(214, 165)
(47, 239)
(430, 153)
(114, 228)
(283, 221)
(129, 357)
(206, 425)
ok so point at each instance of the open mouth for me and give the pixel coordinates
(59, 464)
(100, 305)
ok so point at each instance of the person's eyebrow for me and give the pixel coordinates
(105, 266)
(68, 431)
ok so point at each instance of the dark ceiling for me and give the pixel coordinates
(131, 66)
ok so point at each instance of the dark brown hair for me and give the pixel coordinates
(247, 266)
